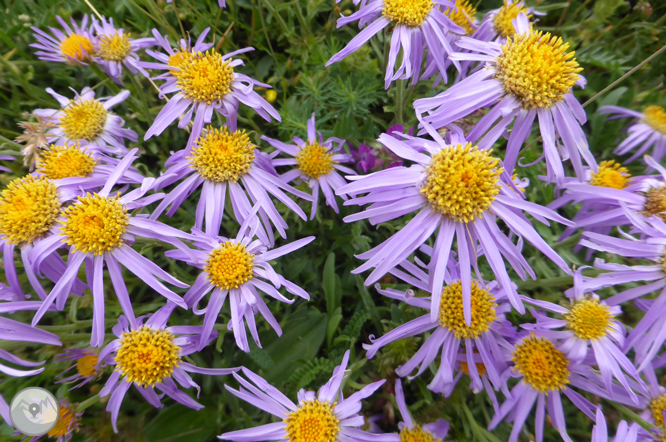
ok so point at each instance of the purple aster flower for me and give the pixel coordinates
(114, 48)
(206, 82)
(333, 416)
(648, 130)
(317, 162)
(364, 157)
(227, 162)
(238, 269)
(545, 374)
(650, 332)
(410, 431)
(497, 24)
(88, 120)
(74, 46)
(29, 210)
(6, 158)
(589, 322)
(76, 170)
(11, 330)
(416, 25)
(175, 56)
(502, 84)
(149, 355)
(485, 341)
(98, 229)
(86, 362)
(624, 433)
(461, 190)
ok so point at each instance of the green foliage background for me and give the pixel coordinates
(293, 41)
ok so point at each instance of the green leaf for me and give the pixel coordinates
(333, 323)
(178, 423)
(369, 303)
(329, 283)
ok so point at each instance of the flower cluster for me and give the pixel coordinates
(464, 233)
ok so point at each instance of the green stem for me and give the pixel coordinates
(400, 85)
(87, 403)
(104, 78)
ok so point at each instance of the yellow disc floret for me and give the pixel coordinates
(114, 47)
(407, 12)
(463, 16)
(28, 208)
(655, 202)
(58, 162)
(462, 181)
(657, 406)
(147, 356)
(417, 434)
(221, 156)
(83, 120)
(655, 117)
(503, 21)
(77, 47)
(589, 320)
(178, 60)
(544, 368)
(610, 174)
(229, 266)
(537, 69)
(67, 422)
(95, 224)
(205, 77)
(451, 310)
(314, 421)
(314, 160)
(87, 365)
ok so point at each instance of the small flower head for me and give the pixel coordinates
(451, 310)
(463, 15)
(655, 117)
(69, 421)
(221, 156)
(85, 364)
(313, 421)
(35, 134)
(114, 47)
(313, 160)
(503, 19)
(610, 174)
(655, 202)
(407, 12)
(65, 161)
(75, 46)
(589, 320)
(204, 77)
(29, 207)
(84, 120)
(543, 367)
(229, 266)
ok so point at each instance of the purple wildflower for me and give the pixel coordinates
(648, 130)
(417, 25)
(502, 83)
(108, 240)
(149, 355)
(333, 413)
(88, 120)
(227, 162)
(86, 362)
(317, 162)
(462, 190)
(238, 269)
(624, 433)
(497, 24)
(74, 46)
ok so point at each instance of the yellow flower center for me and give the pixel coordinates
(114, 48)
(205, 77)
(407, 12)
(610, 174)
(314, 421)
(480, 368)
(64, 424)
(544, 368)
(462, 181)
(28, 208)
(221, 156)
(417, 434)
(78, 47)
(657, 406)
(503, 19)
(84, 120)
(314, 161)
(655, 117)
(229, 266)
(87, 365)
(65, 161)
(178, 60)
(451, 310)
(147, 356)
(536, 69)
(463, 16)
(95, 224)
(589, 320)
(655, 202)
